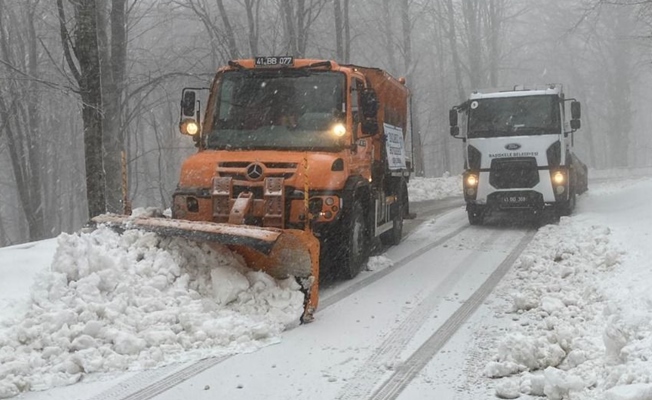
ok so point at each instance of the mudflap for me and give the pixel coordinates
(279, 252)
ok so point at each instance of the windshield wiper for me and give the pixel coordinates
(489, 132)
(533, 128)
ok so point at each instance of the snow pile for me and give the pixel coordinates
(421, 189)
(580, 322)
(133, 301)
(377, 263)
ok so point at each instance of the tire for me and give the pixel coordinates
(355, 251)
(476, 217)
(569, 205)
(393, 236)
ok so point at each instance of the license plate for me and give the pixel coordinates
(514, 199)
(283, 61)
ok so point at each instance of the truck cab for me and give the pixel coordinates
(518, 151)
(300, 144)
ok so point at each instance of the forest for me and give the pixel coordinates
(90, 90)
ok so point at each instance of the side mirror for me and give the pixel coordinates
(452, 117)
(369, 103)
(575, 124)
(188, 103)
(576, 110)
(455, 130)
(189, 123)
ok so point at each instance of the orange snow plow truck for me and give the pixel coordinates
(301, 164)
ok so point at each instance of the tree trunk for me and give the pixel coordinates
(339, 30)
(452, 40)
(86, 49)
(409, 68)
(23, 115)
(228, 32)
(113, 85)
(252, 7)
(347, 33)
(388, 36)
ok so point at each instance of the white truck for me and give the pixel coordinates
(518, 151)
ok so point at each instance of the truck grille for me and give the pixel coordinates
(238, 169)
(513, 173)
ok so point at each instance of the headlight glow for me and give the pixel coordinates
(558, 178)
(339, 130)
(189, 127)
(192, 128)
(472, 180)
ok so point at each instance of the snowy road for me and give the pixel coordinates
(431, 318)
(379, 336)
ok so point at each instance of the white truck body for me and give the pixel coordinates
(518, 150)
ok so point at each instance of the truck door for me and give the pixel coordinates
(362, 146)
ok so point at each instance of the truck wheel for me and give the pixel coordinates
(356, 245)
(393, 236)
(476, 216)
(569, 205)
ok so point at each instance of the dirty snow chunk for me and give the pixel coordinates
(379, 262)
(533, 353)
(507, 389)
(559, 383)
(495, 369)
(147, 212)
(524, 301)
(127, 343)
(533, 384)
(551, 304)
(8, 390)
(638, 391)
(227, 283)
(615, 338)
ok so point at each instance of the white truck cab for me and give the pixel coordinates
(518, 151)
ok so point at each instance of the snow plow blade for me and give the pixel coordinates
(279, 252)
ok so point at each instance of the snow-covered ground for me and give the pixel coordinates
(421, 189)
(571, 320)
(577, 305)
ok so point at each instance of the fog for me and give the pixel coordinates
(150, 50)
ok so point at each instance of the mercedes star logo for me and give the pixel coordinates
(254, 171)
(512, 146)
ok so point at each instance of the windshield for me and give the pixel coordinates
(287, 109)
(514, 116)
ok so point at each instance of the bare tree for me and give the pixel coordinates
(19, 111)
(113, 59)
(298, 19)
(82, 45)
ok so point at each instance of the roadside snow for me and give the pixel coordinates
(127, 302)
(422, 189)
(579, 304)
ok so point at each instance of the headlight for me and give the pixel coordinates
(192, 128)
(339, 130)
(472, 180)
(558, 178)
(189, 127)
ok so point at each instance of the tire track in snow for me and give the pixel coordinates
(402, 377)
(141, 387)
(382, 273)
(362, 383)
